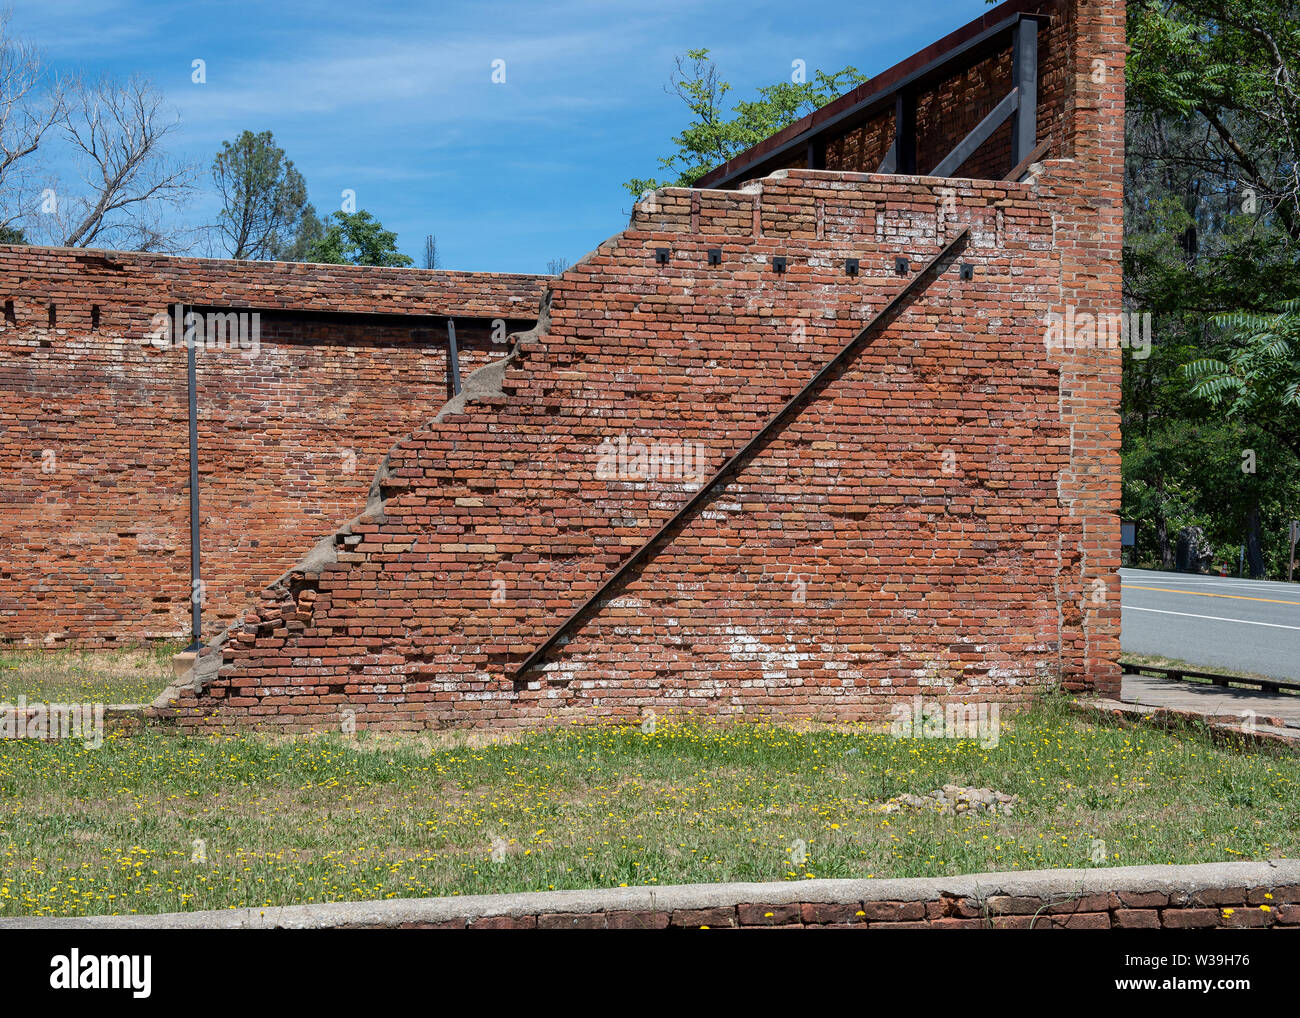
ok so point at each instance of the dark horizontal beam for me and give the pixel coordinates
(706, 490)
(428, 318)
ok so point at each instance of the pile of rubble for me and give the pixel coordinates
(954, 799)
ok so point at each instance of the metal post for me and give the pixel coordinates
(1024, 124)
(453, 356)
(196, 597)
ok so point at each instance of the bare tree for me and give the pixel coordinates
(117, 132)
(556, 266)
(28, 109)
(430, 251)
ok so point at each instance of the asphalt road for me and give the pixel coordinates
(1212, 621)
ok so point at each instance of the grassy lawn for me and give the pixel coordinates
(155, 823)
(137, 675)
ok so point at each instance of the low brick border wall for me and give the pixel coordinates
(1215, 895)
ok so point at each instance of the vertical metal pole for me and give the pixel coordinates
(196, 605)
(453, 356)
(1024, 123)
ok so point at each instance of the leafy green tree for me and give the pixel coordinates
(1211, 249)
(1259, 377)
(712, 137)
(1233, 68)
(310, 229)
(356, 238)
(263, 197)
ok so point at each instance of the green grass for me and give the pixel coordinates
(155, 823)
(135, 675)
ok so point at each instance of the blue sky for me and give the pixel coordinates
(395, 100)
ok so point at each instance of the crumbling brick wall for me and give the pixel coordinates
(904, 534)
(938, 518)
(94, 459)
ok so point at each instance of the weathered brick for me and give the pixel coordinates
(571, 921)
(953, 923)
(767, 915)
(1288, 893)
(893, 911)
(816, 913)
(1219, 896)
(1075, 921)
(1189, 918)
(504, 922)
(714, 918)
(1137, 919)
(1142, 899)
(637, 921)
(1246, 917)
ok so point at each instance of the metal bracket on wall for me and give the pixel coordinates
(706, 490)
(453, 356)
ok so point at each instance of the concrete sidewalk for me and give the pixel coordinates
(1214, 702)
(1259, 717)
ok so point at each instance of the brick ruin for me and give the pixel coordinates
(934, 513)
(94, 459)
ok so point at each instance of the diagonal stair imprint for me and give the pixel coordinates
(915, 285)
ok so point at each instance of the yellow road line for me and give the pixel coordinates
(1201, 593)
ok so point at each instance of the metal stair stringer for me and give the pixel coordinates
(916, 284)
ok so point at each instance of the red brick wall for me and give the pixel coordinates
(1085, 189)
(939, 519)
(94, 462)
(903, 534)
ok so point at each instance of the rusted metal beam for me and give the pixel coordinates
(968, 146)
(644, 551)
(1040, 150)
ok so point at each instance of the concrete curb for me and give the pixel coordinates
(1182, 887)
